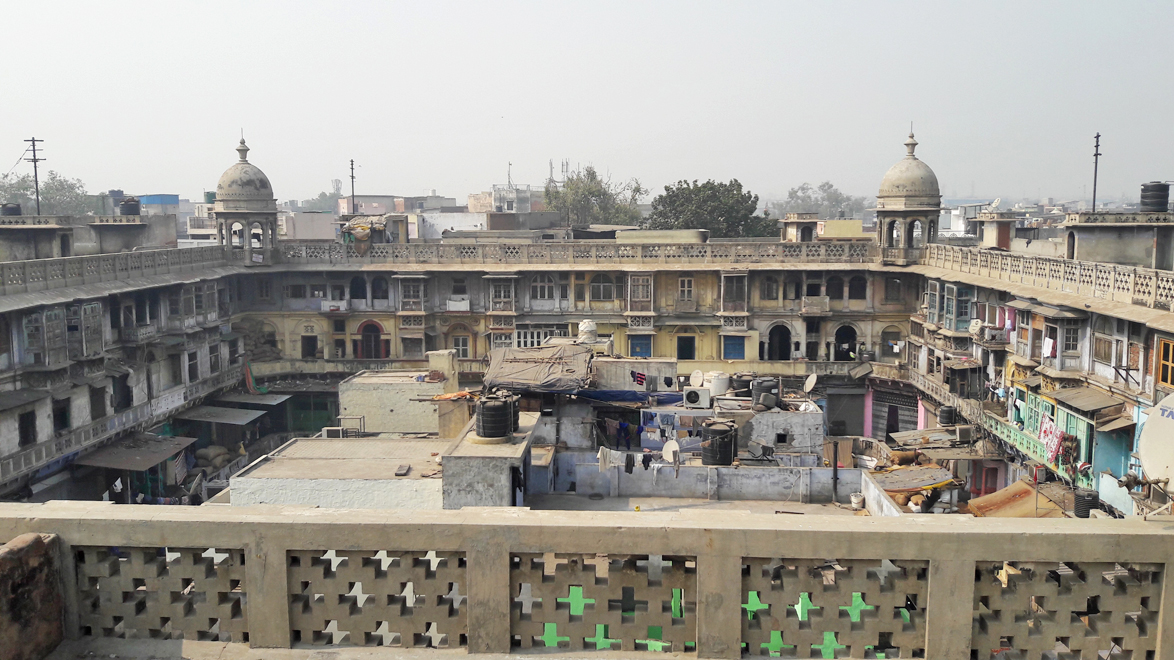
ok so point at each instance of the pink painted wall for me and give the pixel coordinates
(922, 415)
(868, 412)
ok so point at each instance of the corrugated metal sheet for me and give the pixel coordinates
(1015, 501)
(1086, 398)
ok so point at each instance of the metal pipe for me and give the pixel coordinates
(835, 470)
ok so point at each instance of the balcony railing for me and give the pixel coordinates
(1128, 284)
(707, 584)
(580, 253)
(139, 333)
(42, 274)
(31, 459)
(815, 305)
(286, 367)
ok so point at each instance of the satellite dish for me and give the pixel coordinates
(994, 206)
(697, 378)
(671, 450)
(1154, 446)
(809, 384)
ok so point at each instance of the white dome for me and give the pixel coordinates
(244, 187)
(909, 183)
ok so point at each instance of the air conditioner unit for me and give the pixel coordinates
(697, 397)
(332, 432)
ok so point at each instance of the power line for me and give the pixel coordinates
(18, 159)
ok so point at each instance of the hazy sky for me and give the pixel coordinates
(1005, 97)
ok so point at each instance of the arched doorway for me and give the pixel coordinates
(913, 240)
(1071, 245)
(891, 234)
(65, 252)
(845, 344)
(806, 234)
(237, 235)
(370, 342)
(779, 344)
(358, 288)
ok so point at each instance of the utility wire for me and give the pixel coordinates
(18, 159)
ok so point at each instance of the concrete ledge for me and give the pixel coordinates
(31, 602)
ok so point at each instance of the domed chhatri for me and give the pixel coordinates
(244, 187)
(246, 210)
(910, 183)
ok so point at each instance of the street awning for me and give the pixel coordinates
(235, 416)
(1086, 398)
(1117, 424)
(137, 453)
(1031, 381)
(1050, 312)
(258, 399)
(17, 398)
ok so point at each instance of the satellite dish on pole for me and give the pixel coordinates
(697, 378)
(809, 384)
(994, 206)
(671, 450)
(1154, 446)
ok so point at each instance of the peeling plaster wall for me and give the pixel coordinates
(32, 605)
(389, 406)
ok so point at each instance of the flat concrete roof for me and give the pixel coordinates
(516, 447)
(259, 399)
(573, 502)
(235, 416)
(387, 377)
(349, 458)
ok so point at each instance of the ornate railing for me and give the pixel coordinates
(1127, 284)
(706, 583)
(579, 252)
(35, 457)
(42, 274)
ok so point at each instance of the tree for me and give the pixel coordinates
(59, 195)
(826, 200)
(725, 209)
(326, 201)
(587, 199)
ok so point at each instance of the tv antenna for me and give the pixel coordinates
(352, 186)
(36, 179)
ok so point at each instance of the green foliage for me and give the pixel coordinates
(825, 199)
(326, 202)
(585, 198)
(59, 195)
(725, 209)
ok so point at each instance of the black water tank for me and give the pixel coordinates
(1155, 197)
(717, 443)
(10, 209)
(762, 386)
(129, 206)
(946, 416)
(1084, 501)
(741, 382)
(494, 417)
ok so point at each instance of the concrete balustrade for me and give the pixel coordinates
(500, 580)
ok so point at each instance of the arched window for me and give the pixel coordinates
(379, 288)
(835, 287)
(602, 287)
(371, 342)
(237, 232)
(358, 288)
(793, 289)
(857, 288)
(256, 235)
(891, 342)
(542, 287)
(770, 288)
(891, 234)
(915, 230)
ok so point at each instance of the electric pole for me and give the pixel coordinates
(36, 179)
(352, 186)
(1096, 161)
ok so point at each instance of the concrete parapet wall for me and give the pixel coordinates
(31, 602)
(931, 583)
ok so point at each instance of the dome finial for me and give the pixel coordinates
(910, 144)
(243, 150)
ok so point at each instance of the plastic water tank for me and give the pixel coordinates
(1155, 197)
(494, 417)
(719, 383)
(741, 383)
(10, 209)
(717, 443)
(1084, 501)
(946, 416)
(129, 206)
(762, 386)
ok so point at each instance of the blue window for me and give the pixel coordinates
(733, 348)
(640, 346)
